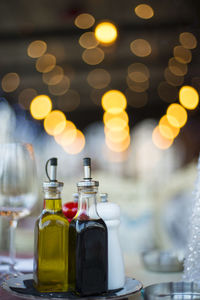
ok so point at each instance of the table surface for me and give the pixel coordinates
(134, 268)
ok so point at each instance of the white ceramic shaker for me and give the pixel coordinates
(110, 213)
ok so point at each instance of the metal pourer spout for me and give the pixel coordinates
(87, 181)
(87, 168)
(53, 169)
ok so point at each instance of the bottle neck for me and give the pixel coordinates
(87, 204)
(54, 205)
(52, 199)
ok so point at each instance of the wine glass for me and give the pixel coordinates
(18, 188)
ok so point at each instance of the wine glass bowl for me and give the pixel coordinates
(18, 186)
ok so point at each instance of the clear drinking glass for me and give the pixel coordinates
(18, 187)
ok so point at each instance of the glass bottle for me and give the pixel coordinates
(88, 246)
(51, 238)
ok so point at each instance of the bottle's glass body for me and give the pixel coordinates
(88, 249)
(51, 245)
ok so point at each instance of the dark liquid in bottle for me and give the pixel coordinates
(88, 257)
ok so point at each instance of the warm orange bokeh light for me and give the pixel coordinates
(78, 145)
(114, 101)
(118, 146)
(45, 63)
(93, 56)
(87, 40)
(182, 54)
(36, 49)
(166, 129)
(108, 116)
(61, 87)
(176, 115)
(55, 122)
(188, 40)
(10, 82)
(106, 32)
(54, 76)
(84, 21)
(140, 47)
(160, 141)
(189, 97)
(68, 135)
(116, 136)
(144, 11)
(40, 107)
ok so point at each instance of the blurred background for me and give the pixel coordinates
(118, 81)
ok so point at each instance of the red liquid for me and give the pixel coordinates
(88, 257)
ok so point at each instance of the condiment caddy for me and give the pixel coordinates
(79, 257)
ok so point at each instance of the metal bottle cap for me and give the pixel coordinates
(87, 180)
(52, 183)
(104, 197)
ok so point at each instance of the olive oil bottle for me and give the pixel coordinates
(51, 238)
(88, 247)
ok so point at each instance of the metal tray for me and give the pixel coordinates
(16, 287)
(172, 290)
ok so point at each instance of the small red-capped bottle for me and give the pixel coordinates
(70, 208)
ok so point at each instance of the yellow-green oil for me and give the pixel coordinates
(51, 249)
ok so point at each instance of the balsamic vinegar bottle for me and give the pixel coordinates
(88, 248)
(51, 238)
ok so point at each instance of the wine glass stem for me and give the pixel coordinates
(12, 247)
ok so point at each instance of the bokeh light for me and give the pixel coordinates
(40, 107)
(176, 67)
(137, 86)
(98, 78)
(106, 32)
(118, 146)
(84, 21)
(61, 87)
(172, 79)
(116, 136)
(144, 11)
(138, 72)
(69, 101)
(176, 115)
(108, 116)
(116, 124)
(10, 82)
(68, 135)
(78, 145)
(87, 40)
(166, 129)
(167, 92)
(140, 47)
(160, 141)
(93, 56)
(45, 63)
(55, 122)
(182, 54)
(188, 40)
(36, 49)
(25, 97)
(54, 76)
(135, 99)
(114, 101)
(189, 97)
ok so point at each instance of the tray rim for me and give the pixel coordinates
(4, 285)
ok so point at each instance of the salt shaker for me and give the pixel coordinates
(110, 213)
